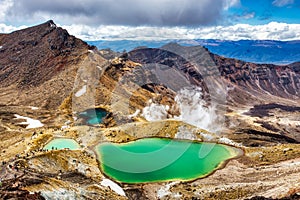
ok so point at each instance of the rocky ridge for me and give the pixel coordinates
(36, 63)
(45, 67)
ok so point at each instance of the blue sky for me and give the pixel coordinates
(256, 12)
(159, 19)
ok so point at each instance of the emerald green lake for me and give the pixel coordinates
(160, 159)
(62, 143)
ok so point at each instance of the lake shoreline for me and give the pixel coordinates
(233, 152)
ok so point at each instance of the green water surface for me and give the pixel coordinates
(62, 143)
(160, 159)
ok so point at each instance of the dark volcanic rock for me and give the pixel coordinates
(263, 110)
(249, 80)
(38, 65)
(170, 59)
(177, 67)
(32, 56)
(291, 197)
(281, 81)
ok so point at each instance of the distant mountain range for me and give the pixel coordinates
(256, 51)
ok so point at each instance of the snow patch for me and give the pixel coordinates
(81, 91)
(99, 67)
(34, 108)
(155, 112)
(59, 194)
(113, 186)
(52, 25)
(32, 123)
(91, 51)
(64, 127)
(1, 47)
(134, 114)
(177, 196)
(165, 190)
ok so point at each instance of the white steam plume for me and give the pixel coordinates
(193, 110)
(155, 112)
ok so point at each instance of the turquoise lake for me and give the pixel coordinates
(93, 116)
(62, 143)
(160, 159)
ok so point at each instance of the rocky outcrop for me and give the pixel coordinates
(32, 59)
(281, 81)
(31, 56)
(167, 63)
(41, 64)
(251, 81)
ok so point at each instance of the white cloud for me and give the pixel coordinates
(5, 5)
(249, 15)
(231, 3)
(281, 3)
(270, 31)
(7, 29)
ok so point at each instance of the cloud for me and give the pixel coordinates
(9, 28)
(270, 31)
(4, 7)
(231, 3)
(281, 3)
(122, 12)
(249, 15)
(243, 16)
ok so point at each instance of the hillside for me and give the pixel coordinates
(50, 81)
(38, 65)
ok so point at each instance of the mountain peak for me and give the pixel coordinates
(43, 27)
(33, 55)
(51, 23)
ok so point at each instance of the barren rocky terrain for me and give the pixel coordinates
(47, 77)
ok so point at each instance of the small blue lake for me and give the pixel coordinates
(62, 143)
(93, 116)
